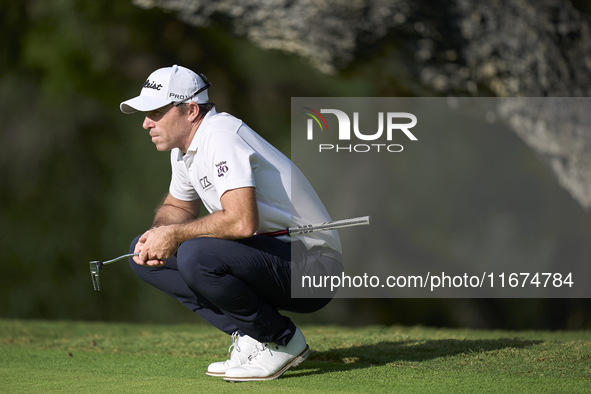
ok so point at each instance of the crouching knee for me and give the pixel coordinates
(199, 261)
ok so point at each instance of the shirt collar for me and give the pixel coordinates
(198, 135)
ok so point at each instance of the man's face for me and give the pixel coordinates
(168, 127)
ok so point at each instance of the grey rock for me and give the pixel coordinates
(503, 48)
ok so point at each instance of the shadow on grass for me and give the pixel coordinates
(364, 356)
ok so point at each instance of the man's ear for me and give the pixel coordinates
(193, 111)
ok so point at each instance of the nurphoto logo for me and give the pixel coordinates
(392, 128)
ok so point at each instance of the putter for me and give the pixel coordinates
(95, 266)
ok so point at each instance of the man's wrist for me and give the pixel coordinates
(178, 233)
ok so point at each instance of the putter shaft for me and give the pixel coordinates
(119, 258)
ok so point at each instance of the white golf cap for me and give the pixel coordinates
(168, 85)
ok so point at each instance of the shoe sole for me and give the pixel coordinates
(300, 358)
(218, 374)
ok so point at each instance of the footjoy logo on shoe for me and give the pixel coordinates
(393, 127)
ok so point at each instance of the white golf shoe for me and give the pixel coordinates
(269, 360)
(242, 346)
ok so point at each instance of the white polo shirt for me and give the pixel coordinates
(226, 154)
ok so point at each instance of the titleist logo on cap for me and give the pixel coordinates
(151, 85)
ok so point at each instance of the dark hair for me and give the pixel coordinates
(203, 108)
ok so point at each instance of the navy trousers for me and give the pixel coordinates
(236, 285)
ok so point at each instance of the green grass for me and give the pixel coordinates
(44, 356)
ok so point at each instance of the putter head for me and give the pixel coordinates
(95, 266)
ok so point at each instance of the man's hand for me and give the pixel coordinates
(155, 246)
(237, 219)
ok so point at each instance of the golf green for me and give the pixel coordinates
(46, 356)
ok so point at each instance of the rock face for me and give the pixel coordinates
(559, 130)
(504, 48)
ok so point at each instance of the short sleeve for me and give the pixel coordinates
(180, 183)
(233, 162)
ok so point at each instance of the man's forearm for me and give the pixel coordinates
(238, 219)
(176, 222)
(167, 214)
(215, 225)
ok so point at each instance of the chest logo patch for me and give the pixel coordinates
(205, 183)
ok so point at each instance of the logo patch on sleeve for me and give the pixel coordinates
(222, 168)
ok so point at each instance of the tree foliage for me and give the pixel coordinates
(79, 180)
